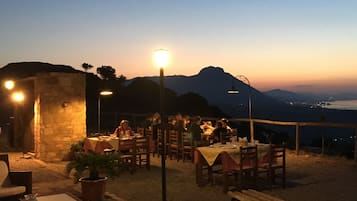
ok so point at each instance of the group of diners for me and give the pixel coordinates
(201, 133)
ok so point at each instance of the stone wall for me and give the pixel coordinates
(60, 114)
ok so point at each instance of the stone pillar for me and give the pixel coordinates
(60, 114)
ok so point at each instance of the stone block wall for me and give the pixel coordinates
(60, 114)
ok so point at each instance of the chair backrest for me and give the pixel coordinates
(140, 130)
(148, 132)
(142, 144)
(186, 139)
(277, 154)
(127, 145)
(160, 135)
(248, 157)
(173, 137)
(4, 171)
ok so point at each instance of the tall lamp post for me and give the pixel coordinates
(17, 97)
(102, 93)
(161, 60)
(233, 90)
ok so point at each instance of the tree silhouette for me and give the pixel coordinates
(86, 66)
(106, 72)
(121, 79)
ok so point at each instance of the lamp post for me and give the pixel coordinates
(161, 60)
(233, 90)
(17, 97)
(102, 93)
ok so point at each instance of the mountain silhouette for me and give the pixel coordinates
(212, 83)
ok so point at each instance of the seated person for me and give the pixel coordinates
(220, 133)
(225, 125)
(196, 131)
(123, 130)
(207, 127)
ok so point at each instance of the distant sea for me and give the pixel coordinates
(342, 105)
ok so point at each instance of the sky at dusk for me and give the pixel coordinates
(300, 45)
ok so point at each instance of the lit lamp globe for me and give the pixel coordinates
(9, 84)
(161, 58)
(18, 96)
(106, 93)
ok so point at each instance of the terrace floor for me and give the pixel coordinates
(310, 177)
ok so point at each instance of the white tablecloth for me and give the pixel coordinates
(98, 144)
(211, 153)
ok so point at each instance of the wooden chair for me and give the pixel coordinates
(13, 185)
(127, 152)
(173, 145)
(148, 132)
(276, 162)
(143, 151)
(140, 130)
(152, 143)
(246, 169)
(187, 148)
(158, 143)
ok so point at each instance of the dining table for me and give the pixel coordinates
(228, 155)
(101, 143)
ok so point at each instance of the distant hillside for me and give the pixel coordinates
(308, 98)
(28, 69)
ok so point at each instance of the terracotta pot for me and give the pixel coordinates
(93, 190)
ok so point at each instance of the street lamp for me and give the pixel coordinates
(18, 96)
(102, 93)
(161, 57)
(233, 90)
(9, 84)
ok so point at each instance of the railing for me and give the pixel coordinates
(298, 125)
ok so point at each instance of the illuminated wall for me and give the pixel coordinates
(59, 114)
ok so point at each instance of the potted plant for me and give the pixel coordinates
(92, 169)
(76, 149)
